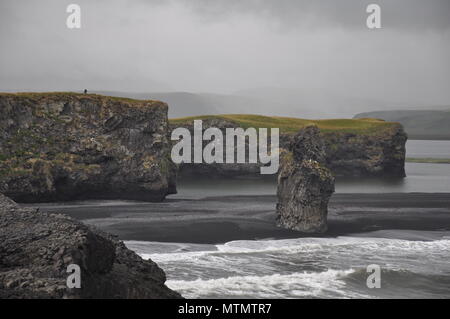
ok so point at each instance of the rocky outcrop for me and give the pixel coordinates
(376, 152)
(36, 248)
(63, 146)
(382, 153)
(217, 169)
(305, 185)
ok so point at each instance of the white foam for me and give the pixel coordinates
(325, 284)
(291, 268)
(295, 246)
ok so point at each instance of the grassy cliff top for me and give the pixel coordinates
(50, 96)
(292, 125)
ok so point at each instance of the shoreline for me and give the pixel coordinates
(216, 220)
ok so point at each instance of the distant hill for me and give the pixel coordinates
(310, 103)
(263, 101)
(418, 124)
(182, 104)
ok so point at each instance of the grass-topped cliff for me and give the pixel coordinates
(288, 125)
(51, 96)
(354, 147)
(63, 145)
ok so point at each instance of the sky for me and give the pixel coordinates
(228, 46)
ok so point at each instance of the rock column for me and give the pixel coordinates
(305, 185)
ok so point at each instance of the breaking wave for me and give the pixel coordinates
(303, 268)
(297, 285)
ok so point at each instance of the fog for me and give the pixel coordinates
(317, 52)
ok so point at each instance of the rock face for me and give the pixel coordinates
(63, 146)
(36, 249)
(217, 169)
(382, 153)
(376, 153)
(305, 185)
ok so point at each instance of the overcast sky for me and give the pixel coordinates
(224, 46)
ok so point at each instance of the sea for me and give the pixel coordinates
(412, 264)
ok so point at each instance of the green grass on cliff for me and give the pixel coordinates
(289, 125)
(67, 95)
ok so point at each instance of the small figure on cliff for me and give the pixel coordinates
(85, 91)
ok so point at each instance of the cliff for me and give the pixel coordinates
(63, 146)
(381, 153)
(305, 185)
(353, 147)
(36, 248)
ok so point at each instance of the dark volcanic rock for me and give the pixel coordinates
(305, 185)
(36, 248)
(217, 169)
(63, 146)
(379, 152)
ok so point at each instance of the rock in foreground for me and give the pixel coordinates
(36, 249)
(305, 185)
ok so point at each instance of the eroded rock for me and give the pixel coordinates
(305, 185)
(64, 146)
(36, 248)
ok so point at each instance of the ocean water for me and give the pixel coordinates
(413, 264)
(421, 178)
(306, 267)
(428, 149)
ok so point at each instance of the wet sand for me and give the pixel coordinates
(213, 220)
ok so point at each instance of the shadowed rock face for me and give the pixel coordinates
(63, 146)
(305, 185)
(380, 153)
(36, 248)
(222, 170)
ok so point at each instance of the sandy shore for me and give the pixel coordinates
(220, 219)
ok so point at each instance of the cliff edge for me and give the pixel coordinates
(64, 146)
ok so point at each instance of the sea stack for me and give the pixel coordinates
(305, 185)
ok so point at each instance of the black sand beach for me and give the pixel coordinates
(213, 220)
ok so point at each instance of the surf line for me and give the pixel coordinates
(213, 152)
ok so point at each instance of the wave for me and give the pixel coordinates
(327, 284)
(295, 246)
(304, 267)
